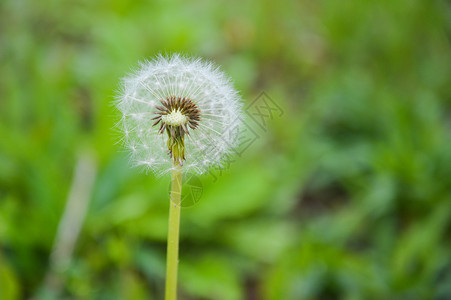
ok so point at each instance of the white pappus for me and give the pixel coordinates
(179, 110)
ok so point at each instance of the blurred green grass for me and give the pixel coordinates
(345, 196)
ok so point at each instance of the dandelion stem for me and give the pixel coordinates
(173, 233)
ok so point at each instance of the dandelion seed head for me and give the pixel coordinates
(188, 99)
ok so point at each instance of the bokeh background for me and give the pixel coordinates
(345, 194)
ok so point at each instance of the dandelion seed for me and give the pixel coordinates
(184, 105)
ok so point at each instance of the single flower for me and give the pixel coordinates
(179, 110)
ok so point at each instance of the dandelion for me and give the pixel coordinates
(179, 114)
(178, 109)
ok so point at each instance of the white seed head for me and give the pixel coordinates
(211, 128)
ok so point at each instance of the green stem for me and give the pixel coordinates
(173, 234)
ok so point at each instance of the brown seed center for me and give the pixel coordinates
(175, 115)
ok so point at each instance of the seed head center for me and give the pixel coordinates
(174, 118)
(176, 115)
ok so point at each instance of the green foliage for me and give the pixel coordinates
(344, 196)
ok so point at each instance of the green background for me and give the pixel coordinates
(346, 195)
